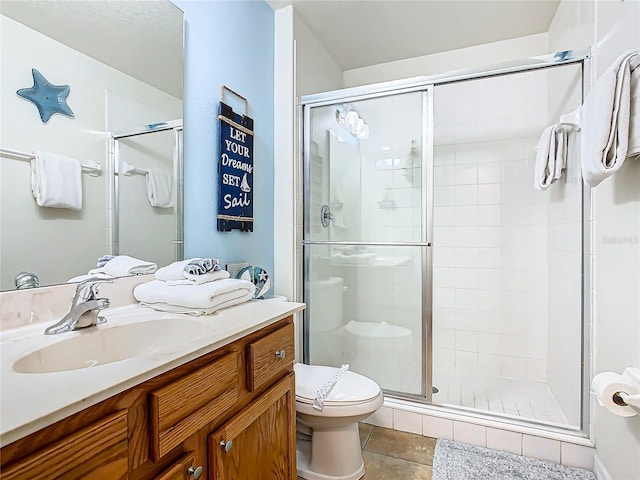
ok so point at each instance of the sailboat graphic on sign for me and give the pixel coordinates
(244, 186)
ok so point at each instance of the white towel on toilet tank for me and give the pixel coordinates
(159, 188)
(210, 296)
(56, 181)
(606, 126)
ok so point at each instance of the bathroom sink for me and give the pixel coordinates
(107, 344)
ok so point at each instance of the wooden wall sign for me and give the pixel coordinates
(235, 168)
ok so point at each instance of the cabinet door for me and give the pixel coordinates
(96, 452)
(183, 469)
(259, 442)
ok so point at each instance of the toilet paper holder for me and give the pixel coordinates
(624, 399)
(618, 393)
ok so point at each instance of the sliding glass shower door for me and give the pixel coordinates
(433, 263)
(365, 240)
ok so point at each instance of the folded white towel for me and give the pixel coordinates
(551, 156)
(231, 301)
(159, 188)
(56, 181)
(173, 271)
(210, 295)
(123, 265)
(191, 279)
(634, 122)
(606, 114)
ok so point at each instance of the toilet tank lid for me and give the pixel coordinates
(350, 388)
(376, 329)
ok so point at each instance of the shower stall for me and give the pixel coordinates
(431, 263)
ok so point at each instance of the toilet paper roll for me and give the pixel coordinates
(605, 385)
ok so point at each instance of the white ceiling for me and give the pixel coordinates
(140, 38)
(368, 32)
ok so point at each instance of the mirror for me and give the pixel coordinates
(123, 62)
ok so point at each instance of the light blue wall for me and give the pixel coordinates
(230, 43)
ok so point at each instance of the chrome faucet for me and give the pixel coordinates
(85, 307)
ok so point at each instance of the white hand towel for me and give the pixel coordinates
(232, 300)
(606, 114)
(551, 156)
(56, 181)
(191, 279)
(634, 122)
(208, 295)
(159, 188)
(123, 265)
(173, 271)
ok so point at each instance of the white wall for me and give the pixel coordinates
(616, 258)
(286, 178)
(57, 244)
(464, 58)
(316, 70)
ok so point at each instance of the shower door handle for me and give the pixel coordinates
(325, 215)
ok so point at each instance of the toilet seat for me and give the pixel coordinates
(351, 390)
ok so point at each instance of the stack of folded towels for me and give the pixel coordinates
(197, 286)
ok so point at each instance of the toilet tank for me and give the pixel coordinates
(325, 304)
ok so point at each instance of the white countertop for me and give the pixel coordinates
(30, 402)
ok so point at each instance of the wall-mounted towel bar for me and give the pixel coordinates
(572, 119)
(128, 169)
(94, 169)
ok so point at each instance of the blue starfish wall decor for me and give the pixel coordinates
(47, 97)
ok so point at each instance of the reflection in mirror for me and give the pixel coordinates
(149, 193)
(94, 47)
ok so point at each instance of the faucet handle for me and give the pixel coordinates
(88, 289)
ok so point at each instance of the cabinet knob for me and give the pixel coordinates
(226, 446)
(195, 472)
(281, 353)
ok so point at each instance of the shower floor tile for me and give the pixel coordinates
(517, 398)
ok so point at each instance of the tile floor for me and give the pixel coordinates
(392, 455)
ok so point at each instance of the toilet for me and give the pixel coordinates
(328, 441)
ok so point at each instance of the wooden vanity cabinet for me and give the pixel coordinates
(171, 426)
(96, 451)
(258, 443)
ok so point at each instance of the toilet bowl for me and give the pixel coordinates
(328, 444)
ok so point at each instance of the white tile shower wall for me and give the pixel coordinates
(490, 229)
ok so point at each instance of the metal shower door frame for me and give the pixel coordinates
(426, 84)
(425, 243)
